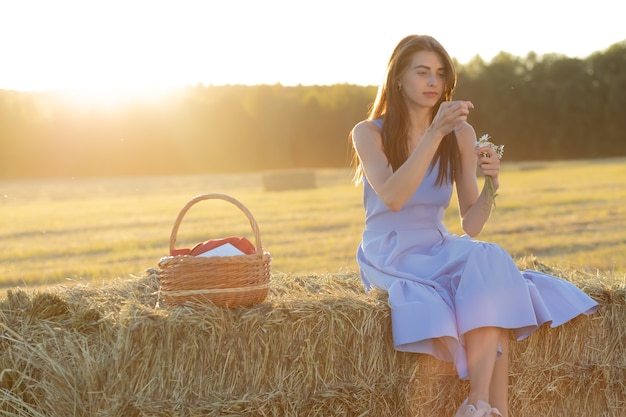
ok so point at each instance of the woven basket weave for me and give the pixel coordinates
(226, 281)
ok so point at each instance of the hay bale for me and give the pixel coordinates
(317, 347)
(288, 180)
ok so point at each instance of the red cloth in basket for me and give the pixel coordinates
(240, 243)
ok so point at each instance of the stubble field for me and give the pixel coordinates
(566, 214)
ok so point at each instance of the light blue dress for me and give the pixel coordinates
(442, 285)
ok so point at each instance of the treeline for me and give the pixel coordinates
(540, 107)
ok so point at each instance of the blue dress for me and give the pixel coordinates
(441, 285)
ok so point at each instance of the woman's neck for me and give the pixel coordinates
(419, 120)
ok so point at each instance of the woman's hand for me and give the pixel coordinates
(450, 116)
(489, 164)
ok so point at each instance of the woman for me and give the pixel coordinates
(451, 296)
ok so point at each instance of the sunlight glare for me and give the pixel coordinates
(89, 45)
(112, 98)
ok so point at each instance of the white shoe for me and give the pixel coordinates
(482, 409)
(468, 410)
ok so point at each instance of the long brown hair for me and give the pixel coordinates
(389, 105)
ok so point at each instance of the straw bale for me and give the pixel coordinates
(318, 346)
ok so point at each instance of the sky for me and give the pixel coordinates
(99, 45)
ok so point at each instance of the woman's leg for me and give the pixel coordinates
(499, 388)
(482, 348)
(488, 377)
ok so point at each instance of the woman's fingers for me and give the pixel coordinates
(488, 151)
(452, 113)
(457, 107)
(488, 160)
(489, 165)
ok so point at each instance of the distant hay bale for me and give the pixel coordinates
(288, 180)
(317, 347)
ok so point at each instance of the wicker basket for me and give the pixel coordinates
(226, 281)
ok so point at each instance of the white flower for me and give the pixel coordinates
(482, 142)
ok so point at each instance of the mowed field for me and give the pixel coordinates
(566, 214)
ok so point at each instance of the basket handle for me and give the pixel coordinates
(198, 198)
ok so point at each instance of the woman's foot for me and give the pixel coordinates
(468, 410)
(482, 409)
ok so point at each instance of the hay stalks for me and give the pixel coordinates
(317, 347)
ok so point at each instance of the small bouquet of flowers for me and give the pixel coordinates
(482, 142)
